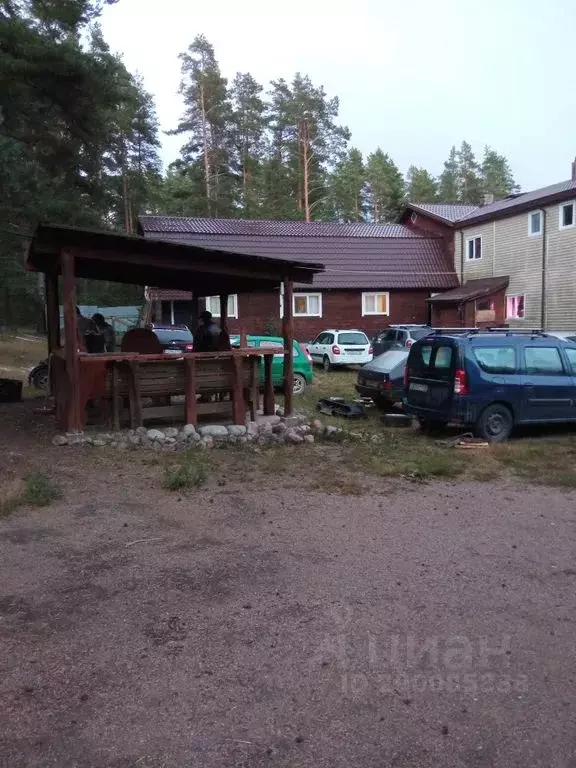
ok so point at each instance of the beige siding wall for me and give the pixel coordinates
(507, 249)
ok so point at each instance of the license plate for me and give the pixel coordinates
(371, 384)
(353, 351)
(415, 387)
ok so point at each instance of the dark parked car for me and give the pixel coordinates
(175, 339)
(398, 337)
(491, 380)
(382, 378)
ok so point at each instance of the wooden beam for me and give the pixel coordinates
(195, 314)
(75, 420)
(268, 386)
(191, 409)
(52, 310)
(288, 333)
(238, 405)
(224, 312)
(135, 399)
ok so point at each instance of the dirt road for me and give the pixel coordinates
(411, 626)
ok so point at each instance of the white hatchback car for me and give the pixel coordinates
(332, 348)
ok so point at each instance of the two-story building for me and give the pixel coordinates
(515, 259)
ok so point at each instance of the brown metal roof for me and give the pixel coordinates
(403, 260)
(444, 211)
(472, 289)
(267, 228)
(147, 261)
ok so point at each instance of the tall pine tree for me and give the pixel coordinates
(348, 189)
(497, 178)
(421, 186)
(449, 182)
(469, 179)
(385, 187)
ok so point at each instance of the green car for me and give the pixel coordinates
(302, 361)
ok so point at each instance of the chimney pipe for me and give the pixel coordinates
(574, 169)
(489, 199)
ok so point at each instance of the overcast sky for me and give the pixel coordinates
(413, 78)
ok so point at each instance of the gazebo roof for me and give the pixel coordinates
(137, 260)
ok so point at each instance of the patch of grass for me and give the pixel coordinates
(39, 490)
(344, 485)
(191, 472)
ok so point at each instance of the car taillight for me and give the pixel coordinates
(307, 353)
(460, 382)
(335, 350)
(370, 350)
(409, 342)
(189, 347)
(386, 385)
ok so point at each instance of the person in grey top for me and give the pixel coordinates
(207, 335)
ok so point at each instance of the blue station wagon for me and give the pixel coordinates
(491, 380)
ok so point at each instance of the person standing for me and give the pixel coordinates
(207, 334)
(107, 332)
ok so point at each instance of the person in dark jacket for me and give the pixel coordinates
(107, 332)
(206, 338)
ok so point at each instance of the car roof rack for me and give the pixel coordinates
(489, 329)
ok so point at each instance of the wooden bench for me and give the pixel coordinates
(136, 380)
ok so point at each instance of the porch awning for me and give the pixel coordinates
(472, 289)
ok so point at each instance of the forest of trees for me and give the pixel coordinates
(80, 143)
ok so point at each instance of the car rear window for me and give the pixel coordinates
(419, 333)
(431, 361)
(352, 338)
(496, 359)
(173, 334)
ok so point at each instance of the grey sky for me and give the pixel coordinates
(413, 78)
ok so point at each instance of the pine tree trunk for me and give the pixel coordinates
(206, 149)
(305, 150)
(126, 203)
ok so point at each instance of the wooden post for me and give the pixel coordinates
(254, 391)
(224, 312)
(238, 405)
(135, 400)
(191, 409)
(116, 399)
(195, 314)
(75, 419)
(268, 386)
(52, 310)
(288, 333)
(243, 338)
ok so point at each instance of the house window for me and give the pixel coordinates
(375, 304)
(567, 218)
(307, 305)
(213, 305)
(535, 223)
(515, 307)
(485, 305)
(474, 248)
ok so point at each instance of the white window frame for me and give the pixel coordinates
(530, 232)
(561, 224)
(365, 312)
(473, 240)
(233, 297)
(515, 296)
(302, 314)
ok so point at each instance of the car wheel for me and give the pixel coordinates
(431, 425)
(326, 364)
(299, 384)
(382, 403)
(495, 423)
(40, 379)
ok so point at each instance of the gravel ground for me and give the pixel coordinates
(413, 625)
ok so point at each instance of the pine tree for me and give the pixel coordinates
(306, 143)
(248, 142)
(497, 177)
(385, 187)
(206, 121)
(348, 188)
(421, 186)
(448, 185)
(469, 179)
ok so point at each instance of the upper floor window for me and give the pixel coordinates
(535, 223)
(474, 248)
(213, 305)
(375, 304)
(515, 307)
(567, 217)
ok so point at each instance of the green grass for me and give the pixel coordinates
(190, 472)
(39, 490)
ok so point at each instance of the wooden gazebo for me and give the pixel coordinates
(79, 377)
